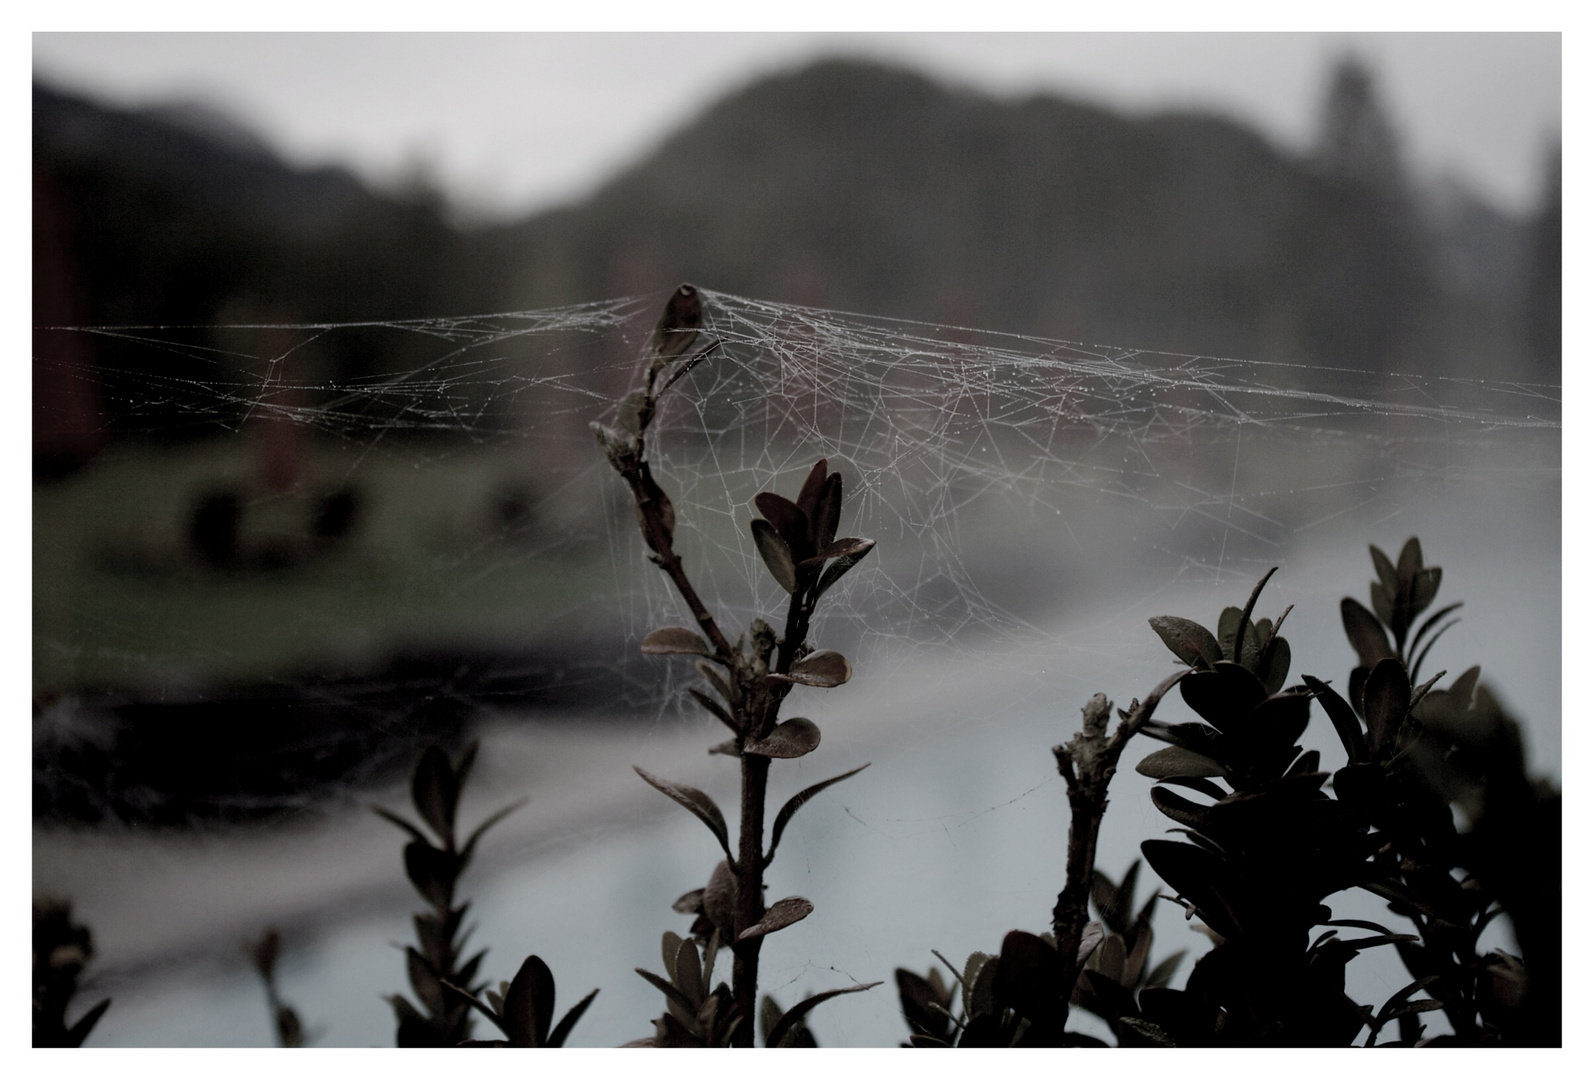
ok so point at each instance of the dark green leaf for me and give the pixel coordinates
(769, 1012)
(719, 899)
(1361, 924)
(435, 791)
(675, 641)
(791, 739)
(1224, 696)
(400, 822)
(670, 992)
(678, 325)
(701, 806)
(790, 522)
(431, 871)
(557, 1038)
(528, 1006)
(1163, 973)
(1366, 636)
(781, 914)
(1089, 939)
(425, 982)
(1228, 626)
(1343, 718)
(804, 1007)
(1243, 625)
(1410, 560)
(1429, 623)
(1383, 602)
(80, 1030)
(923, 1006)
(467, 970)
(1385, 701)
(1388, 1011)
(827, 512)
(1386, 569)
(979, 976)
(469, 849)
(1179, 808)
(776, 554)
(836, 570)
(1177, 762)
(1104, 894)
(1424, 587)
(1125, 899)
(1189, 641)
(1275, 665)
(1309, 762)
(1200, 877)
(808, 497)
(1199, 738)
(1462, 689)
(852, 547)
(1110, 961)
(795, 803)
(1029, 976)
(688, 974)
(671, 943)
(1416, 665)
(1195, 783)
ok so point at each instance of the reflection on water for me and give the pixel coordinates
(953, 836)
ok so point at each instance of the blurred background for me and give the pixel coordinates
(321, 321)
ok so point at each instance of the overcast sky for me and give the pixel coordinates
(512, 123)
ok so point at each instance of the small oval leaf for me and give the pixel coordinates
(838, 569)
(852, 547)
(791, 739)
(1366, 636)
(781, 914)
(1188, 640)
(776, 554)
(675, 641)
(823, 668)
(1177, 761)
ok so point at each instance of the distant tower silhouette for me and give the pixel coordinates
(1356, 141)
(1544, 274)
(1369, 315)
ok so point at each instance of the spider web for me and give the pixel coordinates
(1006, 478)
(1033, 502)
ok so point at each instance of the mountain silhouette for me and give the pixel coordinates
(844, 184)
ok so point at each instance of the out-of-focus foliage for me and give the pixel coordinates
(263, 954)
(61, 950)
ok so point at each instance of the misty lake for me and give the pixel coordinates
(953, 836)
